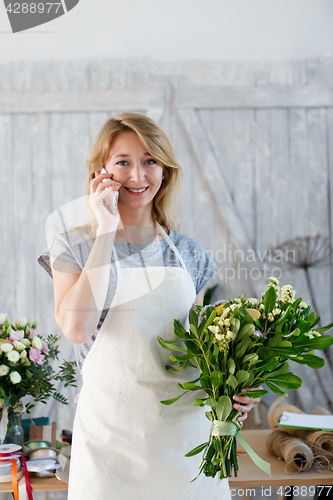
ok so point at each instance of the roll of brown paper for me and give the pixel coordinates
(320, 442)
(295, 452)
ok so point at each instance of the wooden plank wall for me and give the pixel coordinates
(267, 129)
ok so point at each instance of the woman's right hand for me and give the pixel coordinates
(99, 193)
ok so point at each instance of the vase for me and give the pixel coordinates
(14, 432)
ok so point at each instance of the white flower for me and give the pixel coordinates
(26, 342)
(229, 335)
(233, 307)
(287, 293)
(270, 317)
(276, 311)
(253, 302)
(36, 342)
(214, 329)
(273, 280)
(261, 307)
(3, 316)
(23, 354)
(315, 334)
(3, 370)
(15, 377)
(13, 356)
(18, 345)
(219, 337)
(303, 305)
(22, 322)
(6, 347)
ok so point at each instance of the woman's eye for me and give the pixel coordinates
(122, 162)
(151, 162)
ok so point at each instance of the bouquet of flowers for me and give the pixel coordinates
(25, 365)
(242, 343)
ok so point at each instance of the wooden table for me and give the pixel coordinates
(250, 475)
(37, 484)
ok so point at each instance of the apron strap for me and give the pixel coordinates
(172, 245)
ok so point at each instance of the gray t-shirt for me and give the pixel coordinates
(74, 248)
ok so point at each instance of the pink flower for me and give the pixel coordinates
(32, 333)
(16, 334)
(36, 356)
(10, 341)
(45, 347)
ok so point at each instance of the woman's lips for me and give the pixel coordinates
(137, 191)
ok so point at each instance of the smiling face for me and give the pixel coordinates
(139, 174)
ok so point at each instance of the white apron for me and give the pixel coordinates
(125, 442)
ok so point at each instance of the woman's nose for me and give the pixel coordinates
(137, 172)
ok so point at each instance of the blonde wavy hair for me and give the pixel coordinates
(167, 200)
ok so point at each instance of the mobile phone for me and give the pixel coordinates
(112, 199)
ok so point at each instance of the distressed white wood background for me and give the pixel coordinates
(254, 141)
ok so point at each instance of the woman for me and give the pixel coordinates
(118, 285)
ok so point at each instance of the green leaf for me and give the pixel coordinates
(231, 366)
(269, 300)
(316, 343)
(275, 389)
(234, 325)
(286, 352)
(246, 331)
(194, 318)
(242, 376)
(242, 347)
(179, 368)
(267, 364)
(232, 382)
(280, 370)
(216, 377)
(196, 450)
(257, 393)
(173, 400)
(194, 331)
(210, 402)
(185, 357)
(223, 408)
(199, 402)
(287, 381)
(190, 345)
(168, 344)
(179, 330)
(249, 380)
(211, 317)
(324, 328)
(250, 358)
(311, 360)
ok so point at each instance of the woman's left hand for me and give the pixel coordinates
(244, 403)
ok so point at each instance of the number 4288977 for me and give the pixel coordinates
(33, 8)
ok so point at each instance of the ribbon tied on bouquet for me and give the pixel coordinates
(222, 428)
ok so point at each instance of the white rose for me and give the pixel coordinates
(18, 345)
(3, 316)
(26, 342)
(6, 347)
(23, 354)
(15, 377)
(36, 342)
(13, 356)
(3, 370)
(22, 322)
